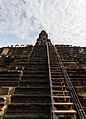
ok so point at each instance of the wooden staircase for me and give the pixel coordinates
(62, 106)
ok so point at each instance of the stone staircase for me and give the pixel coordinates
(31, 99)
(34, 86)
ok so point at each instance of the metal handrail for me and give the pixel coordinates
(73, 93)
(51, 91)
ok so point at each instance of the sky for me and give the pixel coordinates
(22, 20)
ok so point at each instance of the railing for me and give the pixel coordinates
(51, 91)
(79, 108)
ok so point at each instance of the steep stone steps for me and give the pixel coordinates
(31, 99)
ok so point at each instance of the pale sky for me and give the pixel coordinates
(22, 20)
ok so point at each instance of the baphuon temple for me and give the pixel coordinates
(43, 81)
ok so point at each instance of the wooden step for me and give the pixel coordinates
(63, 106)
(60, 93)
(63, 103)
(61, 97)
(64, 111)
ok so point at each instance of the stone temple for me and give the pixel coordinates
(43, 81)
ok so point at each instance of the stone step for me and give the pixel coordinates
(33, 84)
(17, 108)
(9, 83)
(8, 78)
(35, 71)
(30, 99)
(35, 76)
(33, 91)
(27, 116)
(36, 79)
